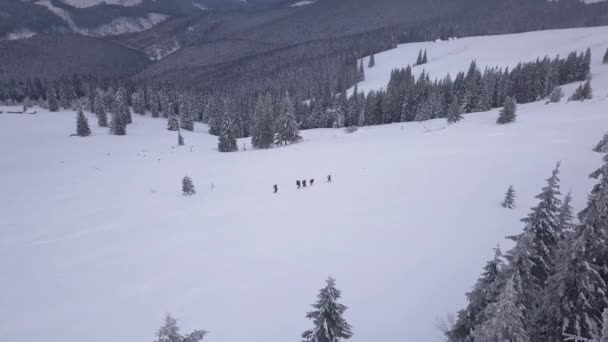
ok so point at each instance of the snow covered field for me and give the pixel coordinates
(97, 243)
(489, 51)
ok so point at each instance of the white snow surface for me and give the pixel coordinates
(302, 3)
(19, 34)
(90, 3)
(97, 243)
(455, 55)
(119, 25)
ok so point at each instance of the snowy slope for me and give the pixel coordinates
(90, 3)
(117, 26)
(97, 243)
(455, 55)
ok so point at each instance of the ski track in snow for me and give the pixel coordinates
(97, 247)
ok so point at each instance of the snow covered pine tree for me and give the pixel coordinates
(263, 130)
(188, 186)
(287, 127)
(169, 332)
(82, 124)
(508, 113)
(509, 201)
(329, 325)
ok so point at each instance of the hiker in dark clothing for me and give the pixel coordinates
(304, 183)
(328, 178)
(298, 184)
(312, 182)
(276, 188)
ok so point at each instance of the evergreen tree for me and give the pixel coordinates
(180, 139)
(543, 225)
(186, 112)
(139, 101)
(361, 74)
(583, 92)
(419, 59)
(214, 114)
(154, 103)
(172, 123)
(67, 94)
(188, 186)
(509, 201)
(51, 97)
(263, 130)
(505, 318)
(605, 60)
(556, 95)
(508, 112)
(372, 61)
(169, 332)
(122, 105)
(82, 124)
(424, 58)
(587, 91)
(226, 140)
(286, 126)
(117, 125)
(565, 216)
(602, 145)
(576, 292)
(100, 110)
(484, 292)
(329, 325)
(454, 112)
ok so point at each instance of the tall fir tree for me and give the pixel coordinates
(100, 109)
(361, 75)
(576, 293)
(419, 58)
(509, 201)
(484, 293)
(263, 124)
(605, 60)
(180, 139)
(117, 125)
(186, 112)
(454, 112)
(51, 97)
(542, 223)
(169, 332)
(82, 124)
(424, 58)
(329, 325)
(214, 114)
(227, 140)
(139, 101)
(172, 123)
(505, 317)
(122, 105)
(565, 217)
(286, 125)
(372, 61)
(508, 113)
(188, 186)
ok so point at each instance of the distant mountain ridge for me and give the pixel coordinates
(189, 36)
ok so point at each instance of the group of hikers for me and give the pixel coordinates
(302, 183)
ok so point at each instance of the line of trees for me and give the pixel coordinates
(553, 282)
(406, 98)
